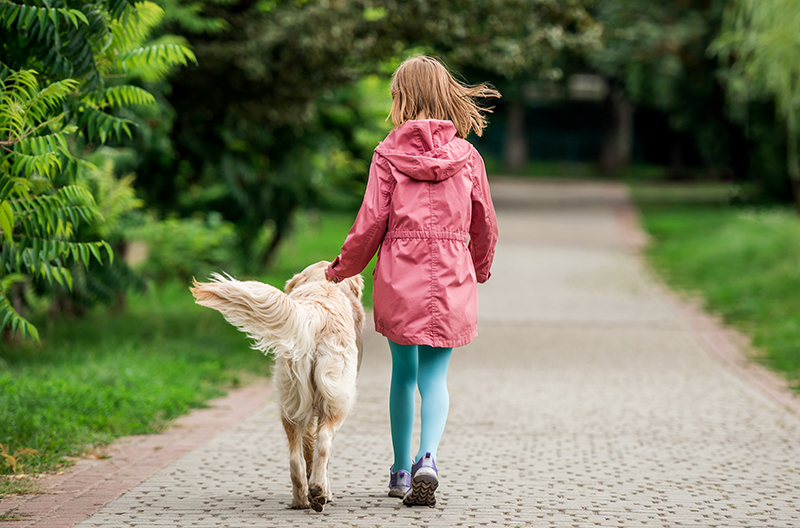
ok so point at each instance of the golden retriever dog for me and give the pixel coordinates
(314, 330)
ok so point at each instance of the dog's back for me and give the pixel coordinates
(317, 377)
(312, 333)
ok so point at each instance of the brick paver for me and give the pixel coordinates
(588, 399)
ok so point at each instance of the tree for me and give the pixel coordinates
(63, 69)
(252, 135)
(511, 43)
(759, 43)
(247, 133)
(654, 54)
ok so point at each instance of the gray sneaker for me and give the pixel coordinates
(424, 481)
(399, 482)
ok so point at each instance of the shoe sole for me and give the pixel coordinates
(423, 489)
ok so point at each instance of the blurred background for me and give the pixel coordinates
(146, 143)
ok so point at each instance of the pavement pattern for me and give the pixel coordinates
(587, 400)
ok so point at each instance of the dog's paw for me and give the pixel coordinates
(316, 498)
(300, 505)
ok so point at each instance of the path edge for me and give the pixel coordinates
(80, 491)
(725, 344)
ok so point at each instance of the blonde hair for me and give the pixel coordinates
(423, 84)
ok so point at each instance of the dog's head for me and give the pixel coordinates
(352, 286)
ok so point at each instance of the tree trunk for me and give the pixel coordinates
(515, 152)
(121, 252)
(617, 145)
(796, 193)
(282, 227)
(269, 254)
(793, 158)
(677, 169)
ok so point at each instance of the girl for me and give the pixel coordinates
(427, 206)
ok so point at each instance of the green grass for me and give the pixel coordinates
(114, 374)
(664, 193)
(576, 170)
(744, 262)
(109, 375)
(18, 484)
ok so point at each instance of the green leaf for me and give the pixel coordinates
(57, 275)
(32, 331)
(7, 221)
(47, 271)
(37, 262)
(67, 276)
(101, 125)
(96, 252)
(14, 320)
(128, 96)
(8, 280)
(7, 317)
(110, 251)
(84, 254)
(154, 60)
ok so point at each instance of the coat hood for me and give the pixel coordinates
(426, 150)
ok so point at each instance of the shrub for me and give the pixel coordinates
(181, 248)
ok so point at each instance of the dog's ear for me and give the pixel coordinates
(356, 285)
(293, 283)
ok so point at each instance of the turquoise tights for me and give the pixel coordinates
(424, 367)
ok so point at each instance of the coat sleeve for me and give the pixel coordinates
(483, 226)
(369, 227)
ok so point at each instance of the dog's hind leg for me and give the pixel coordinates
(297, 465)
(318, 485)
(309, 438)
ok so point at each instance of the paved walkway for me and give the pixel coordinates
(588, 399)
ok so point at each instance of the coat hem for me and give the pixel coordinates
(427, 339)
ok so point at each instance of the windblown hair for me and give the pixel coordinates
(423, 84)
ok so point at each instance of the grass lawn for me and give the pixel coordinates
(576, 170)
(745, 263)
(114, 374)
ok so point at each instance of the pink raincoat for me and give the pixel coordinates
(428, 207)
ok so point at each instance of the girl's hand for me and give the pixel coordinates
(330, 278)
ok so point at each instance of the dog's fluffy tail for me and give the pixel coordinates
(266, 314)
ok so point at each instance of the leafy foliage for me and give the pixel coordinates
(37, 220)
(508, 41)
(62, 68)
(759, 42)
(662, 55)
(116, 202)
(255, 134)
(181, 248)
(657, 52)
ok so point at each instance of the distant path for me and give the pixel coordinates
(587, 400)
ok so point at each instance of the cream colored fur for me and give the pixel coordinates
(314, 330)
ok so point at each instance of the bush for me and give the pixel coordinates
(181, 248)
